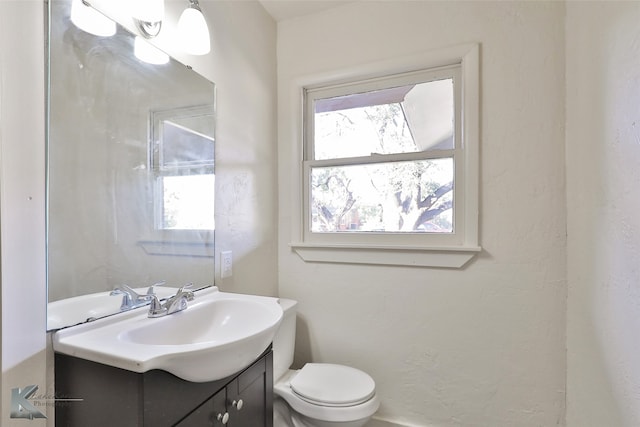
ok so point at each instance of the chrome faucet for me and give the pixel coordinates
(131, 299)
(176, 303)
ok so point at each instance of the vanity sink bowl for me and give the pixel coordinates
(219, 321)
(218, 335)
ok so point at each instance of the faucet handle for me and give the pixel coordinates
(122, 289)
(130, 298)
(185, 291)
(155, 308)
(173, 304)
(151, 290)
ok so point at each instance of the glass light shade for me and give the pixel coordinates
(148, 53)
(148, 10)
(90, 20)
(193, 32)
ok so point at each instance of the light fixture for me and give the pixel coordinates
(90, 20)
(148, 16)
(193, 30)
(148, 53)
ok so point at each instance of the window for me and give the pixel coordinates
(390, 167)
(380, 155)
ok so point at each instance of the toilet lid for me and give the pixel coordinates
(332, 385)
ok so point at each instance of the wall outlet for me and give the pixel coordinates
(226, 264)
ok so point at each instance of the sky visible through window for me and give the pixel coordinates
(186, 205)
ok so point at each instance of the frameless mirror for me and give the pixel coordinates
(130, 170)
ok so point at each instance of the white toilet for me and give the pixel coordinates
(319, 394)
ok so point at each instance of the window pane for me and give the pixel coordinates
(188, 202)
(414, 196)
(407, 119)
(185, 147)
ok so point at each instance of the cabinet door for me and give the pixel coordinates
(212, 413)
(246, 409)
(248, 400)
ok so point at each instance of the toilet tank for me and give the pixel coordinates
(285, 340)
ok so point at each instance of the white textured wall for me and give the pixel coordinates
(481, 346)
(22, 239)
(603, 182)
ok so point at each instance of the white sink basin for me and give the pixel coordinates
(71, 311)
(216, 336)
(218, 321)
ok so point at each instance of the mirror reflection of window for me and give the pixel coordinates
(182, 146)
(183, 164)
(187, 202)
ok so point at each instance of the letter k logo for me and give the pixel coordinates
(21, 407)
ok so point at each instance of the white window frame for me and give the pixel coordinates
(450, 250)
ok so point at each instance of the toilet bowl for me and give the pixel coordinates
(324, 395)
(319, 394)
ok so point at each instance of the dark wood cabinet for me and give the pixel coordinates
(112, 396)
(235, 405)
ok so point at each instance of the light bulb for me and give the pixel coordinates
(148, 53)
(90, 20)
(194, 32)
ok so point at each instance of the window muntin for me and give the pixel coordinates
(389, 148)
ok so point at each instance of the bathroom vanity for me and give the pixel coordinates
(210, 364)
(117, 397)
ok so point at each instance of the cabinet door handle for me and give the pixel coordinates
(238, 404)
(224, 418)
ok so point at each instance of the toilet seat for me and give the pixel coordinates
(332, 385)
(318, 410)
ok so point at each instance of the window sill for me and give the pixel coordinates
(443, 257)
(173, 248)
